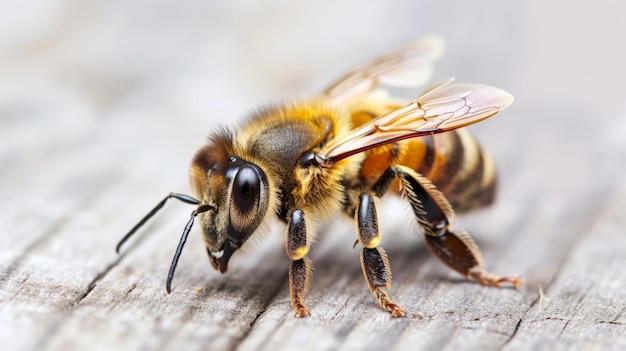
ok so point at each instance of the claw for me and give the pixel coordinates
(302, 311)
(481, 276)
(396, 311)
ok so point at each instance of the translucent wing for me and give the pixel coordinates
(410, 66)
(441, 108)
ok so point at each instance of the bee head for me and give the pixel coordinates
(237, 191)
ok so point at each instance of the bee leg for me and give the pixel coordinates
(374, 260)
(434, 215)
(300, 269)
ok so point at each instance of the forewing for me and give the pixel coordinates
(440, 108)
(410, 66)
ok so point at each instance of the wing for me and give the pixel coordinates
(410, 66)
(441, 108)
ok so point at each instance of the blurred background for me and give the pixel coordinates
(160, 74)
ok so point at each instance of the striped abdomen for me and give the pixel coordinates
(453, 161)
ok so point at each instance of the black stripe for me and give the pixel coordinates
(454, 157)
(429, 155)
(468, 185)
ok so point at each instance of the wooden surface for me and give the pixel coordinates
(102, 106)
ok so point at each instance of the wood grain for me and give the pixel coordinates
(102, 107)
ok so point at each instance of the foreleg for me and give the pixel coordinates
(300, 268)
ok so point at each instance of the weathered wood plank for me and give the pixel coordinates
(585, 302)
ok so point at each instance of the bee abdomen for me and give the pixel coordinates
(456, 164)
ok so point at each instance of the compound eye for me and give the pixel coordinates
(245, 198)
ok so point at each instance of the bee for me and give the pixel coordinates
(306, 160)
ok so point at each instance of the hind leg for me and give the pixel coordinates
(435, 215)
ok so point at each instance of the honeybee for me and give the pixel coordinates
(306, 160)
